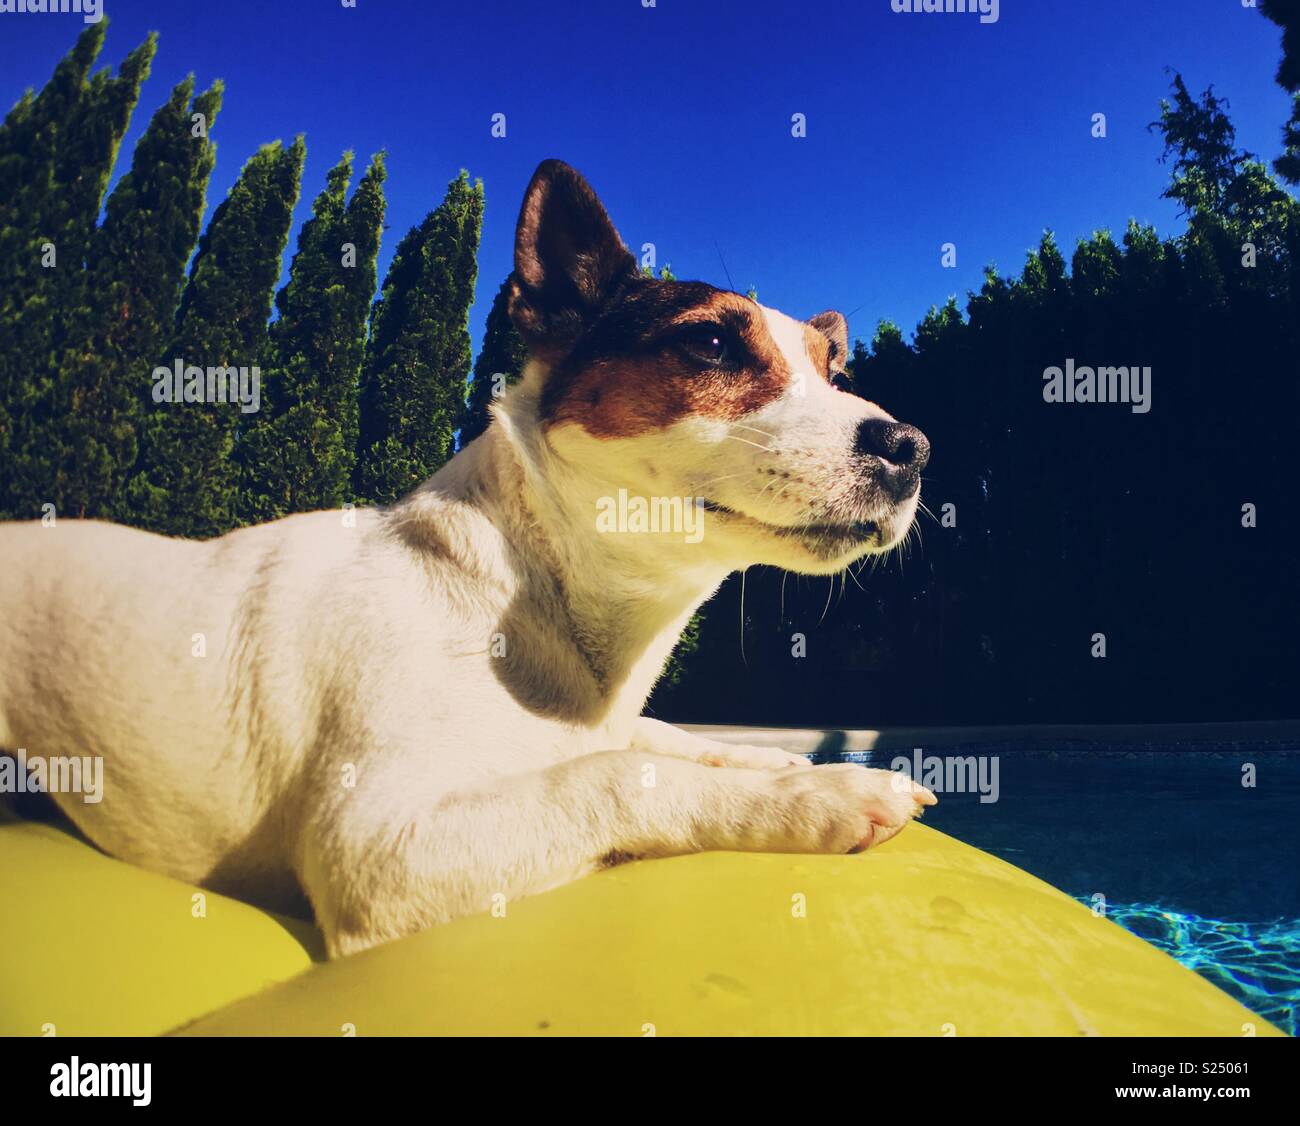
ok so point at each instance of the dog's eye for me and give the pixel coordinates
(708, 344)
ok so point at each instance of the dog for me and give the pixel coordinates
(403, 713)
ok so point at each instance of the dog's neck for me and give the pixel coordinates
(589, 619)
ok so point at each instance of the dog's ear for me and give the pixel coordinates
(569, 260)
(835, 328)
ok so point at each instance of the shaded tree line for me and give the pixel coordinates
(1083, 563)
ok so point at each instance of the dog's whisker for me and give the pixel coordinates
(853, 574)
(738, 438)
(764, 489)
(777, 497)
(715, 480)
(830, 590)
(755, 429)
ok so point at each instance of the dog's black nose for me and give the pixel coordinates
(902, 451)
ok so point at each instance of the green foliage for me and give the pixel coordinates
(56, 155)
(1096, 266)
(499, 364)
(185, 483)
(78, 423)
(1288, 164)
(299, 454)
(30, 149)
(884, 364)
(939, 330)
(418, 358)
(134, 280)
(1200, 140)
(681, 662)
(1286, 14)
(134, 270)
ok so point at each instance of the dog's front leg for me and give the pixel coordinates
(656, 737)
(482, 847)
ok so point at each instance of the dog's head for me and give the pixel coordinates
(678, 389)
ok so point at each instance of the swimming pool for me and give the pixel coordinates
(1186, 856)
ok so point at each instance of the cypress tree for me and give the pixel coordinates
(28, 141)
(28, 151)
(875, 372)
(186, 484)
(418, 359)
(499, 364)
(1143, 272)
(364, 228)
(56, 156)
(1096, 267)
(301, 452)
(133, 277)
(940, 329)
(87, 152)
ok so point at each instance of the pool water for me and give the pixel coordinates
(1186, 856)
(1258, 963)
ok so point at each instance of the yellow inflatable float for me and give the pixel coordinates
(923, 936)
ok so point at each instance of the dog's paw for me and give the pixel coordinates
(752, 758)
(846, 808)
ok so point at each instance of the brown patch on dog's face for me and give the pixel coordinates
(662, 351)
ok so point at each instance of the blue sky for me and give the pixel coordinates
(921, 129)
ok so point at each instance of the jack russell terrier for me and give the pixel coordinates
(406, 712)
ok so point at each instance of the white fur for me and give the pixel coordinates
(350, 731)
